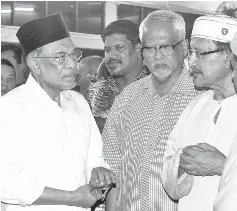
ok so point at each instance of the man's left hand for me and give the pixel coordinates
(202, 160)
(101, 177)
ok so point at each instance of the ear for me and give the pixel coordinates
(138, 47)
(34, 66)
(185, 48)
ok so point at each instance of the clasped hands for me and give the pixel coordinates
(201, 160)
(101, 179)
(100, 182)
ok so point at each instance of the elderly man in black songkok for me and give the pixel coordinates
(52, 162)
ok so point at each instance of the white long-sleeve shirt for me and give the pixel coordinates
(44, 145)
(226, 199)
(196, 125)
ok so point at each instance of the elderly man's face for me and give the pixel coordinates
(58, 73)
(207, 70)
(164, 67)
(121, 57)
(234, 64)
(8, 79)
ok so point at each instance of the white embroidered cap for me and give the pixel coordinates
(233, 44)
(219, 28)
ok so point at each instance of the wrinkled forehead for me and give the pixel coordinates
(197, 42)
(64, 45)
(159, 31)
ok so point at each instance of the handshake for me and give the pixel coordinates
(100, 184)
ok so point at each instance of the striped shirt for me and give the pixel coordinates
(101, 95)
(135, 138)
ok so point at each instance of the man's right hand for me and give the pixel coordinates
(85, 196)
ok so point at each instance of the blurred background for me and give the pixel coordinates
(86, 19)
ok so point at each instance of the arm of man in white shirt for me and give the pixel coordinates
(20, 190)
(202, 159)
(175, 180)
(227, 195)
(21, 175)
(97, 169)
(81, 197)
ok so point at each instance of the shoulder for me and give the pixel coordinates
(11, 108)
(129, 92)
(198, 102)
(100, 86)
(79, 99)
(135, 87)
(202, 96)
(15, 100)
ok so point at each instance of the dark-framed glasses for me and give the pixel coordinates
(165, 50)
(200, 55)
(62, 58)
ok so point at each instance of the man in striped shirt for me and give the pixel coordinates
(142, 117)
(124, 64)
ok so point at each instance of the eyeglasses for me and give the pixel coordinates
(165, 50)
(62, 58)
(200, 55)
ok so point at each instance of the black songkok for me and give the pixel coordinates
(40, 32)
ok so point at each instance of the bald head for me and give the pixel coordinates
(91, 61)
(88, 68)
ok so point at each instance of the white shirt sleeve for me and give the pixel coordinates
(21, 183)
(174, 186)
(95, 155)
(226, 199)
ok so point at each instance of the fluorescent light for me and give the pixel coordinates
(6, 11)
(24, 9)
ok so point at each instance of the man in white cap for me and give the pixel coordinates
(51, 146)
(226, 199)
(201, 139)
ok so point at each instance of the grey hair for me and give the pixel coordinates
(32, 55)
(169, 16)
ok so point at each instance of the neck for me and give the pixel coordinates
(122, 82)
(224, 89)
(52, 93)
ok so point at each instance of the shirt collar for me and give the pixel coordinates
(183, 85)
(42, 97)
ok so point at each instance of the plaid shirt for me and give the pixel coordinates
(101, 95)
(135, 137)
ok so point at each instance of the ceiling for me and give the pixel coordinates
(199, 7)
